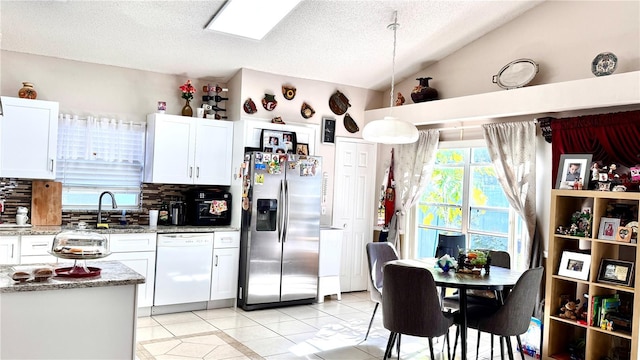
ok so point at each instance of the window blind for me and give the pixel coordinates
(99, 154)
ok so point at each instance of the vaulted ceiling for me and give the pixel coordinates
(339, 41)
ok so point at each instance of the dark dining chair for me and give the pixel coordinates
(512, 318)
(410, 306)
(378, 254)
(450, 244)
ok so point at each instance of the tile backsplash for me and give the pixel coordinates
(17, 192)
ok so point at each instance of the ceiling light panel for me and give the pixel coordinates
(251, 19)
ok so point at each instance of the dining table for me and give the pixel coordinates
(497, 279)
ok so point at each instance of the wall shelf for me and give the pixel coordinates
(613, 91)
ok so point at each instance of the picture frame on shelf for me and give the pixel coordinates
(623, 234)
(575, 265)
(302, 149)
(616, 272)
(572, 168)
(608, 228)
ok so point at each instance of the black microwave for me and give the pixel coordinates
(209, 208)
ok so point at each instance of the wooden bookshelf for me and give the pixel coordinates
(559, 332)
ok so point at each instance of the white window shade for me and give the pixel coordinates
(99, 154)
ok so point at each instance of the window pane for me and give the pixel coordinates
(480, 156)
(88, 199)
(450, 156)
(477, 241)
(489, 220)
(445, 186)
(440, 216)
(485, 189)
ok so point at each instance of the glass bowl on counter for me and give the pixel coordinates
(79, 244)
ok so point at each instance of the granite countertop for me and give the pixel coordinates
(115, 229)
(113, 273)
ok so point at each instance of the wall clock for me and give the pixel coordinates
(328, 130)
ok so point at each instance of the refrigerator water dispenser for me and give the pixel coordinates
(267, 214)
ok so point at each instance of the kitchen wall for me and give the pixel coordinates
(254, 84)
(92, 89)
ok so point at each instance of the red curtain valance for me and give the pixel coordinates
(611, 138)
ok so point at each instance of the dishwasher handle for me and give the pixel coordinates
(185, 241)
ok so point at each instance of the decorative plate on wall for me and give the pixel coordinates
(338, 103)
(604, 64)
(350, 124)
(516, 74)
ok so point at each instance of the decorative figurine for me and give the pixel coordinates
(399, 99)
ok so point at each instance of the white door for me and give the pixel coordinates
(170, 149)
(9, 250)
(213, 152)
(144, 263)
(224, 278)
(354, 199)
(28, 138)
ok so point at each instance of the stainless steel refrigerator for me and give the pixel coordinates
(280, 230)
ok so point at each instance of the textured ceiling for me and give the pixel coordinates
(339, 41)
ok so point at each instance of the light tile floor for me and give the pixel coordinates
(330, 330)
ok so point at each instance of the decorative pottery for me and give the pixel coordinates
(277, 120)
(27, 91)
(289, 92)
(249, 106)
(269, 102)
(307, 111)
(187, 110)
(350, 124)
(423, 92)
(604, 64)
(338, 103)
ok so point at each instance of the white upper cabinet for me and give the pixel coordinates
(185, 150)
(28, 138)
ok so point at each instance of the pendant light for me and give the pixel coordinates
(391, 130)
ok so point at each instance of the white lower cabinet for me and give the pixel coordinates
(226, 257)
(9, 249)
(137, 251)
(35, 249)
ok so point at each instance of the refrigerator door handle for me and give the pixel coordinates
(281, 212)
(286, 199)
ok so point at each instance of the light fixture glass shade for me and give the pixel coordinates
(390, 130)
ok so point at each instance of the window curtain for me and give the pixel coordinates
(512, 149)
(413, 170)
(99, 152)
(611, 138)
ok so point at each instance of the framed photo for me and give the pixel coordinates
(328, 130)
(616, 272)
(608, 228)
(624, 234)
(276, 141)
(302, 149)
(575, 265)
(572, 168)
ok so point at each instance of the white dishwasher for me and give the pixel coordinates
(183, 268)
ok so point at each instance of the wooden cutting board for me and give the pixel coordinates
(46, 202)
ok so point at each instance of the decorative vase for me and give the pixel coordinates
(187, 110)
(27, 91)
(423, 92)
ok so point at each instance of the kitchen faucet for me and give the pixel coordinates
(113, 204)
